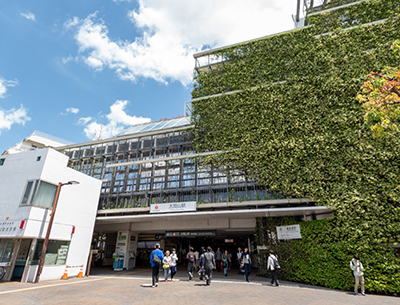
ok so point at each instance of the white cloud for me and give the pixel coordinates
(171, 31)
(4, 84)
(72, 110)
(84, 120)
(28, 15)
(117, 121)
(13, 116)
(68, 59)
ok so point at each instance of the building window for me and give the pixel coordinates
(39, 193)
(56, 253)
(6, 250)
(38, 158)
(2, 161)
(28, 191)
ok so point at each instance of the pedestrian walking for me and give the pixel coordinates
(156, 258)
(358, 272)
(174, 259)
(201, 264)
(246, 263)
(208, 265)
(230, 260)
(145, 258)
(196, 265)
(191, 258)
(225, 262)
(273, 265)
(218, 259)
(239, 258)
(167, 265)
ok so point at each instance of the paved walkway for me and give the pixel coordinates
(107, 287)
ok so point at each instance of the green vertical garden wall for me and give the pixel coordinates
(296, 125)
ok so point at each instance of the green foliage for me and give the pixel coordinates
(323, 259)
(305, 137)
(357, 14)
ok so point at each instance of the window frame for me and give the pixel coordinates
(33, 193)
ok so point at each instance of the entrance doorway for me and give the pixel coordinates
(20, 262)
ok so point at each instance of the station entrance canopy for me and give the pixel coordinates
(243, 218)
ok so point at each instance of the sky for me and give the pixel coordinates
(83, 70)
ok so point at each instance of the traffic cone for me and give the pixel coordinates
(80, 274)
(65, 275)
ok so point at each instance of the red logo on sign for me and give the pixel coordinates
(156, 207)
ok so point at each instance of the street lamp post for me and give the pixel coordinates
(46, 240)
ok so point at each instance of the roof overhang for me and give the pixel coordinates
(234, 214)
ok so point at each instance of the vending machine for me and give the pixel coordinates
(119, 261)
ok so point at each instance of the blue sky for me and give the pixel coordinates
(80, 70)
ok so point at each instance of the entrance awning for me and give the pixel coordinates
(234, 214)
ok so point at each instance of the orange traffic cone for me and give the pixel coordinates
(65, 275)
(80, 274)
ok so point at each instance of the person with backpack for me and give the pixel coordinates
(246, 263)
(208, 264)
(191, 258)
(155, 259)
(273, 265)
(358, 273)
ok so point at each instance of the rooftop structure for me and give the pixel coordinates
(37, 140)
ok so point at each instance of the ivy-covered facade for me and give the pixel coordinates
(283, 108)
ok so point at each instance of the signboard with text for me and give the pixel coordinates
(10, 228)
(289, 232)
(190, 233)
(173, 207)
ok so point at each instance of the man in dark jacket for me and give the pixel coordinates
(208, 264)
(201, 269)
(218, 259)
(191, 257)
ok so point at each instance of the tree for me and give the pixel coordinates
(381, 99)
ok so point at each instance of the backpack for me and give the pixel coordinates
(276, 264)
(191, 257)
(352, 272)
(156, 259)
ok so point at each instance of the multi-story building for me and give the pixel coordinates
(29, 184)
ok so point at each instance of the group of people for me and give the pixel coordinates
(206, 263)
(209, 261)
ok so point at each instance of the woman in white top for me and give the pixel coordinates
(166, 265)
(273, 265)
(174, 259)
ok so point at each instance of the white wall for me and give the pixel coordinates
(77, 204)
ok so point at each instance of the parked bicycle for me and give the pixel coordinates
(3, 271)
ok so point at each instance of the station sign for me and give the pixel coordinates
(173, 207)
(190, 234)
(289, 232)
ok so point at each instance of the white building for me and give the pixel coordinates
(36, 140)
(28, 184)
